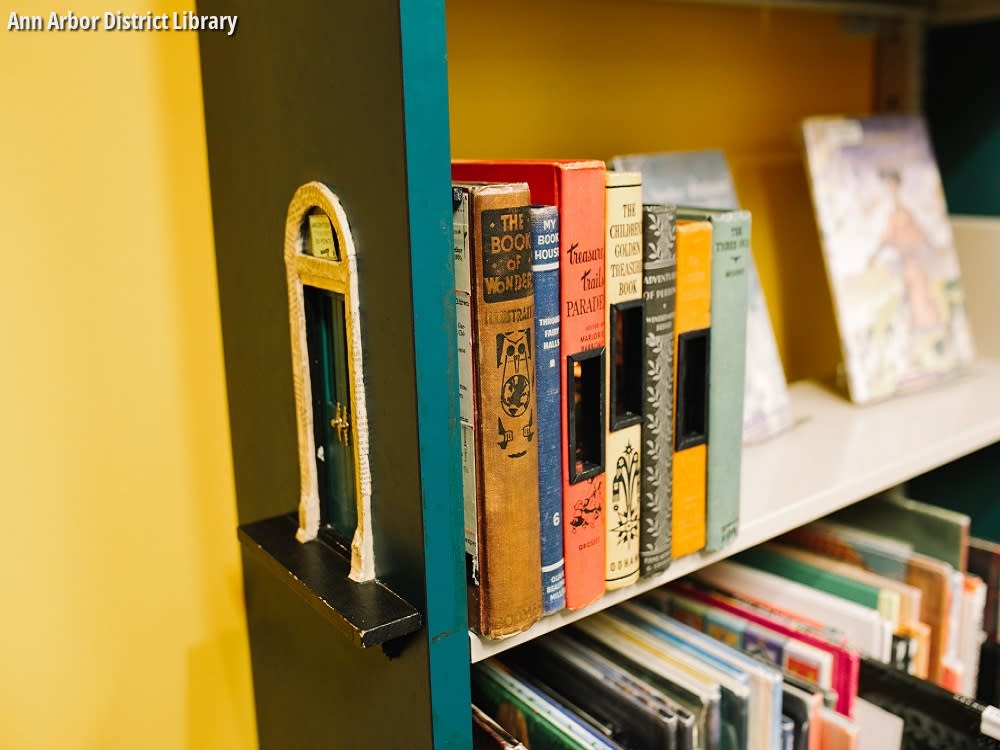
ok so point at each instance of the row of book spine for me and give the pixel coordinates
(715, 663)
(876, 626)
(601, 345)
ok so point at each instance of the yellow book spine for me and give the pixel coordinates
(692, 348)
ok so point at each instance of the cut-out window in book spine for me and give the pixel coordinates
(328, 374)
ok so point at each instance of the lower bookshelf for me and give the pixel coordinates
(835, 454)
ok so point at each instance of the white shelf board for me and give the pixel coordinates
(836, 454)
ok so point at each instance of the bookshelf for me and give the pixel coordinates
(356, 95)
(834, 455)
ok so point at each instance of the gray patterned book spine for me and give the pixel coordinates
(659, 284)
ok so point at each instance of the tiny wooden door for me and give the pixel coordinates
(326, 341)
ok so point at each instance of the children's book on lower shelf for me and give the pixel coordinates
(801, 643)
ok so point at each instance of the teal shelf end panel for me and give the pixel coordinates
(962, 99)
(428, 176)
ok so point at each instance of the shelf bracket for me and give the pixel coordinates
(368, 613)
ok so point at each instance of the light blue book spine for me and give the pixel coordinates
(545, 270)
(726, 374)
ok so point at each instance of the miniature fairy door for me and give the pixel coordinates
(331, 418)
(326, 340)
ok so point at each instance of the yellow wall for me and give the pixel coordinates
(659, 76)
(122, 621)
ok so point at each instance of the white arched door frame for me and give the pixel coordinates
(338, 275)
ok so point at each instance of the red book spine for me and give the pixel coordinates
(577, 188)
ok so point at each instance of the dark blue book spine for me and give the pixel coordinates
(545, 269)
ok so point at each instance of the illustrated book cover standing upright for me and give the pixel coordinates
(577, 188)
(702, 179)
(624, 376)
(889, 253)
(505, 596)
